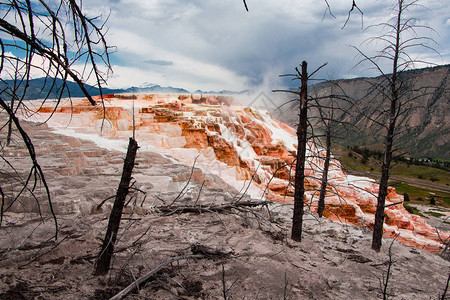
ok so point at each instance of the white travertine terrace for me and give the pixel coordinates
(238, 144)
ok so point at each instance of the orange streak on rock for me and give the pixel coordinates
(197, 121)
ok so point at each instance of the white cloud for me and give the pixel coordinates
(186, 73)
(14, 65)
(218, 45)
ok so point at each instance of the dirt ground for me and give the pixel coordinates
(333, 261)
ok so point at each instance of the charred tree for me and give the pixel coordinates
(107, 250)
(394, 90)
(326, 167)
(302, 139)
(10, 123)
(393, 114)
(400, 37)
(331, 107)
(382, 193)
(299, 193)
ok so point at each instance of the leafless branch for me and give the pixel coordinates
(245, 4)
(354, 5)
(50, 39)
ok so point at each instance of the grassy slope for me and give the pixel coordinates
(420, 174)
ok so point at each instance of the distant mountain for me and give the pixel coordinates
(423, 129)
(156, 89)
(223, 92)
(40, 87)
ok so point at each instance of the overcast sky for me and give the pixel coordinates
(217, 44)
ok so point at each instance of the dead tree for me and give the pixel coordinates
(400, 37)
(328, 110)
(107, 250)
(385, 281)
(299, 194)
(302, 136)
(326, 164)
(328, 104)
(46, 38)
(444, 294)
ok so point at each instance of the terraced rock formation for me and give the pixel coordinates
(242, 146)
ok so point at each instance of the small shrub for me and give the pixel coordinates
(364, 160)
(432, 201)
(412, 210)
(434, 179)
(420, 176)
(406, 197)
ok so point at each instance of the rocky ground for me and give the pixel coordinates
(240, 253)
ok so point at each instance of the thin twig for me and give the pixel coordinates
(245, 4)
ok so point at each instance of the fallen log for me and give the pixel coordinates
(223, 208)
(150, 274)
(209, 252)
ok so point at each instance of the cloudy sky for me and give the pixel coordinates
(217, 44)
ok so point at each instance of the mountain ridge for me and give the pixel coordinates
(425, 132)
(38, 88)
(424, 127)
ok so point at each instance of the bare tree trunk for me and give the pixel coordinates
(393, 114)
(8, 135)
(10, 122)
(297, 219)
(381, 199)
(382, 193)
(326, 167)
(105, 255)
(443, 297)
